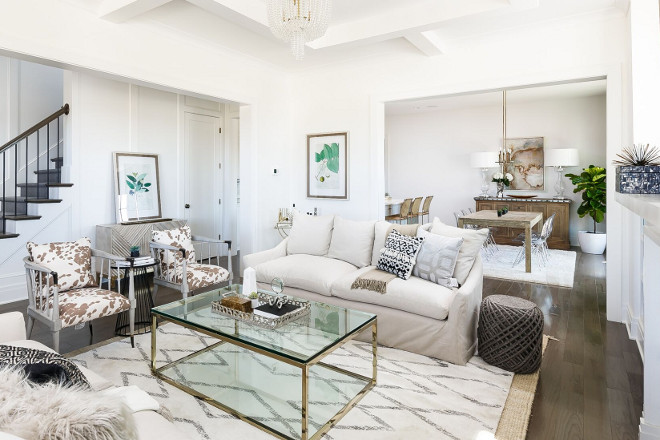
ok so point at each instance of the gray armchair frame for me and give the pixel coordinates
(42, 283)
(168, 280)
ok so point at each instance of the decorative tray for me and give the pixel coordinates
(516, 196)
(263, 321)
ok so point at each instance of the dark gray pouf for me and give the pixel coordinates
(510, 333)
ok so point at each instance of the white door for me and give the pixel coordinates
(203, 150)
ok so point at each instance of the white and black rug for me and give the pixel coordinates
(559, 271)
(416, 396)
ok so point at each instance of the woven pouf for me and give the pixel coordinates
(511, 333)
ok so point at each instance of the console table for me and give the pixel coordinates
(117, 239)
(560, 207)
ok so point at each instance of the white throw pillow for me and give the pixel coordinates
(437, 257)
(310, 234)
(381, 230)
(472, 242)
(352, 241)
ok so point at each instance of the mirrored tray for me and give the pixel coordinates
(263, 321)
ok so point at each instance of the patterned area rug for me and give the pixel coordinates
(416, 396)
(560, 270)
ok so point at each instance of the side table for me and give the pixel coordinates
(139, 282)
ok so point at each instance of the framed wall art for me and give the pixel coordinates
(527, 163)
(327, 166)
(137, 188)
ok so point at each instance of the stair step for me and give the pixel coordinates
(18, 218)
(49, 175)
(10, 200)
(2, 236)
(60, 185)
(58, 161)
(43, 184)
(33, 190)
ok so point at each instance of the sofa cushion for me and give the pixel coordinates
(307, 272)
(473, 239)
(352, 241)
(398, 256)
(382, 230)
(71, 260)
(310, 234)
(437, 257)
(413, 295)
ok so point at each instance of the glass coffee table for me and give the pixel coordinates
(274, 379)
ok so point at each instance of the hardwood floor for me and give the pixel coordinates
(591, 379)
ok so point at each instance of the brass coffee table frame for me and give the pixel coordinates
(304, 367)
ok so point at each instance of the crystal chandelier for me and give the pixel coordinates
(298, 21)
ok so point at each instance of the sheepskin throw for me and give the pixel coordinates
(54, 412)
(42, 366)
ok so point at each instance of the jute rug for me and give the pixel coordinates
(416, 396)
(559, 271)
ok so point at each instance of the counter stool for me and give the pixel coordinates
(510, 333)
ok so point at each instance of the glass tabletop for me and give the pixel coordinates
(300, 340)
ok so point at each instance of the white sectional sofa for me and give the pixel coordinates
(149, 424)
(324, 255)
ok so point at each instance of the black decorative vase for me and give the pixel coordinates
(638, 180)
(135, 254)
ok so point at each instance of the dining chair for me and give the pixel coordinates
(178, 266)
(414, 210)
(426, 208)
(539, 243)
(489, 246)
(63, 290)
(403, 213)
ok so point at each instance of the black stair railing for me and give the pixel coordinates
(37, 158)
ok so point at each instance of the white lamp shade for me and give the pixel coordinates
(483, 159)
(562, 157)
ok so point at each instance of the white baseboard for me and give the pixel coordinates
(12, 287)
(647, 431)
(635, 330)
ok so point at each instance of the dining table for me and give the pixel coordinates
(512, 219)
(389, 203)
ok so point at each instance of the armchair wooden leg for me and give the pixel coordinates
(56, 340)
(30, 326)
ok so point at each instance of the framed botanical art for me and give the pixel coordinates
(327, 166)
(527, 163)
(137, 187)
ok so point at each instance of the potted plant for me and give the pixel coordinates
(591, 183)
(638, 170)
(135, 251)
(254, 297)
(502, 180)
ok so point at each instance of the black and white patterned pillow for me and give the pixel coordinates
(398, 256)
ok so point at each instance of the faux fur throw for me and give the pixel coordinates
(374, 280)
(42, 366)
(54, 412)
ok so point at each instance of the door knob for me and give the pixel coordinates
(187, 205)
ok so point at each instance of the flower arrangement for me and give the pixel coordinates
(505, 178)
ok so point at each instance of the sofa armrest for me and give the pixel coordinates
(12, 327)
(253, 260)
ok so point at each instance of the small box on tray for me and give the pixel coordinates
(237, 303)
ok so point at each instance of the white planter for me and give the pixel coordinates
(592, 243)
(255, 303)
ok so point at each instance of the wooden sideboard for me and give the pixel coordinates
(117, 238)
(560, 207)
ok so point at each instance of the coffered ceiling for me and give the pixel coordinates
(357, 27)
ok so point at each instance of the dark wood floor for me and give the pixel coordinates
(591, 379)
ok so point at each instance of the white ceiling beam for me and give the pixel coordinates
(427, 42)
(398, 22)
(119, 11)
(248, 13)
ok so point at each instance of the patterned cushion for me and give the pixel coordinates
(203, 275)
(180, 238)
(84, 305)
(72, 261)
(437, 257)
(398, 256)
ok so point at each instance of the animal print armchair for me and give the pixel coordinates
(180, 267)
(63, 290)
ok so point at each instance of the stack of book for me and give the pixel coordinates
(137, 261)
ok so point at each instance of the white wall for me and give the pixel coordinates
(429, 152)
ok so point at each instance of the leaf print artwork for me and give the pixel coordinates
(137, 185)
(328, 164)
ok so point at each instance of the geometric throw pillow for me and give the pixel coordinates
(437, 257)
(398, 256)
(71, 260)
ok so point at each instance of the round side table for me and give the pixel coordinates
(141, 278)
(510, 333)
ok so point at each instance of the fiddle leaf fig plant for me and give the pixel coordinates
(591, 182)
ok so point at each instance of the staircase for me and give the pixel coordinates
(31, 169)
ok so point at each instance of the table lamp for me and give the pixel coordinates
(560, 158)
(484, 160)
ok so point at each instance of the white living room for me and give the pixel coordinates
(309, 219)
